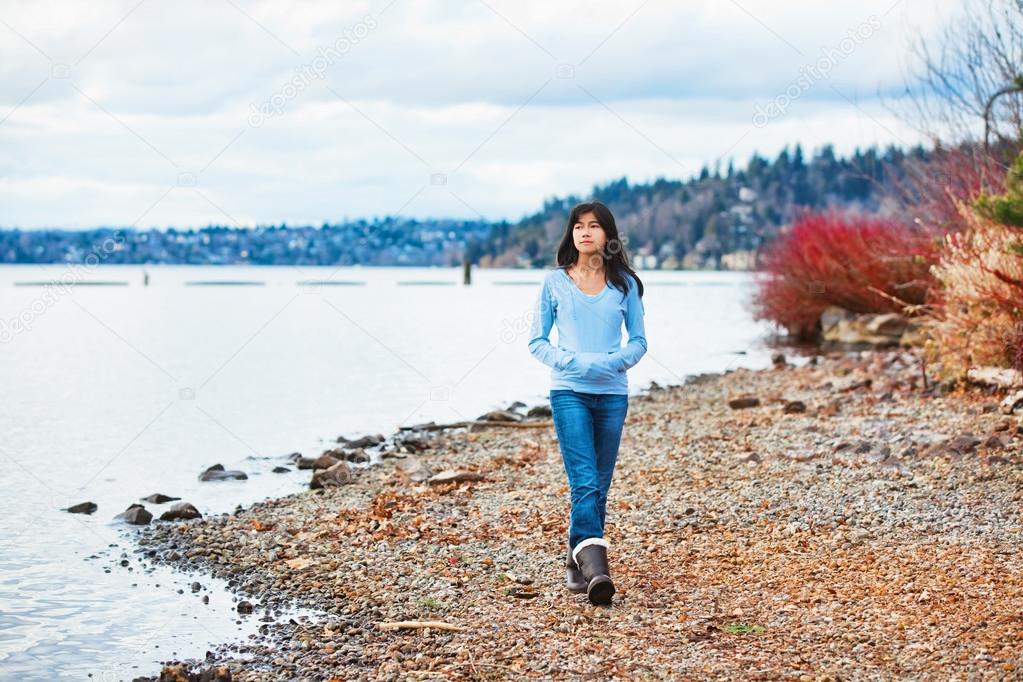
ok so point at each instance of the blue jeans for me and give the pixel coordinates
(589, 429)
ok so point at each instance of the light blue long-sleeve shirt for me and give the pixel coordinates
(589, 357)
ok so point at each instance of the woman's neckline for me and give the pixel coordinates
(581, 292)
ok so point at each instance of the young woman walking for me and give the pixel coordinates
(589, 295)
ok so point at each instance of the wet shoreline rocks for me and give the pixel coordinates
(182, 511)
(872, 532)
(82, 508)
(135, 514)
(159, 498)
(218, 473)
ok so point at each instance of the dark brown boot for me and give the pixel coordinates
(591, 556)
(573, 576)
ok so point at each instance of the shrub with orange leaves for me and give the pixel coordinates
(862, 263)
(979, 321)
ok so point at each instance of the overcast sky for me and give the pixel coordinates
(186, 113)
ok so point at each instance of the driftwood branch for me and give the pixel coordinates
(481, 423)
(511, 425)
(413, 624)
(907, 308)
(995, 376)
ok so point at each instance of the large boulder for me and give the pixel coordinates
(339, 474)
(325, 461)
(844, 329)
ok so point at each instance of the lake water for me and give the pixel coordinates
(118, 391)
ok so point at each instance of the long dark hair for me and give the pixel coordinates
(616, 262)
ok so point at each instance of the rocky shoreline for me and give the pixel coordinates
(836, 520)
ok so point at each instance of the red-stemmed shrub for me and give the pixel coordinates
(865, 264)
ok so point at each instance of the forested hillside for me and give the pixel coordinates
(720, 217)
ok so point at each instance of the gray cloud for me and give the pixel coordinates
(104, 109)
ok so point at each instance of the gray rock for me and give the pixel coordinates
(217, 473)
(519, 578)
(795, 407)
(326, 460)
(995, 442)
(500, 416)
(339, 474)
(357, 456)
(135, 514)
(743, 403)
(844, 329)
(964, 443)
(539, 411)
(82, 508)
(181, 512)
(363, 442)
(415, 469)
(851, 383)
(455, 476)
(414, 443)
(1012, 402)
(159, 498)
(331, 457)
(887, 324)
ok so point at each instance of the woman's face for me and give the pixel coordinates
(589, 239)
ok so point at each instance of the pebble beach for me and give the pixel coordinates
(846, 519)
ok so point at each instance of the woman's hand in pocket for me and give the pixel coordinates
(592, 367)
